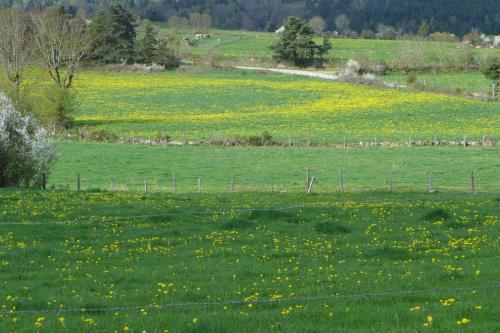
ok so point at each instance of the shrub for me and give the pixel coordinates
(443, 37)
(26, 154)
(63, 105)
(367, 34)
(412, 78)
(264, 139)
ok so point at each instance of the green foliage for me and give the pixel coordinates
(411, 78)
(423, 30)
(26, 153)
(297, 45)
(61, 106)
(166, 55)
(148, 45)
(367, 34)
(456, 16)
(491, 69)
(113, 35)
(266, 15)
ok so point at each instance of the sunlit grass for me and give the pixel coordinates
(338, 246)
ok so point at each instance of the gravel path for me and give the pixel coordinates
(318, 75)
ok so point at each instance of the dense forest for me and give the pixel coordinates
(406, 16)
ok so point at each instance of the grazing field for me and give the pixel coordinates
(81, 262)
(255, 45)
(221, 105)
(473, 82)
(254, 168)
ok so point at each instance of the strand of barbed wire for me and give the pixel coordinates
(302, 299)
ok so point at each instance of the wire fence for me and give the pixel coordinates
(208, 180)
(303, 299)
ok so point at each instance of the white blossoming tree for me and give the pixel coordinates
(26, 153)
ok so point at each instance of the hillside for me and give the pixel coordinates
(456, 16)
(232, 105)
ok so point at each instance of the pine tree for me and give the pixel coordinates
(113, 36)
(122, 28)
(147, 46)
(166, 55)
(325, 47)
(491, 70)
(101, 44)
(296, 45)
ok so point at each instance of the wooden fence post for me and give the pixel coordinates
(310, 188)
(341, 181)
(344, 143)
(78, 182)
(199, 185)
(145, 185)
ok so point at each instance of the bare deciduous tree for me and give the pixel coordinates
(62, 42)
(318, 24)
(15, 44)
(342, 22)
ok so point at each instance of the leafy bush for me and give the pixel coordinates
(26, 154)
(412, 78)
(63, 105)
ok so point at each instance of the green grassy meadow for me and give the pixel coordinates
(252, 252)
(473, 82)
(254, 168)
(225, 105)
(102, 270)
(248, 45)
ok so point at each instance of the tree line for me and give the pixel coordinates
(402, 16)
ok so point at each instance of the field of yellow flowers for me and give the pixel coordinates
(108, 262)
(204, 106)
